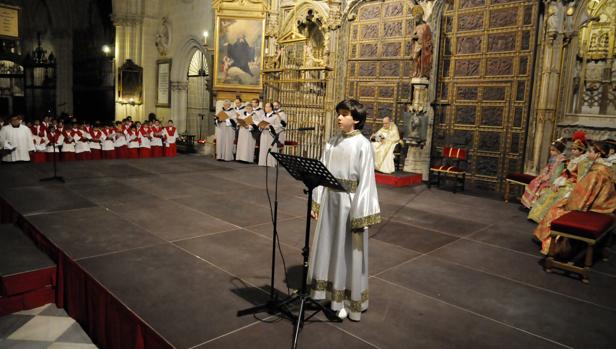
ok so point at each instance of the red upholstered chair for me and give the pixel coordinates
(587, 227)
(518, 179)
(449, 165)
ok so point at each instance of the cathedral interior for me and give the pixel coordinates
(501, 81)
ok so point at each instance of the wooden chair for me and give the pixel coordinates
(400, 152)
(587, 227)
(452, 164)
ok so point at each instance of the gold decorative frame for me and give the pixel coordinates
(8, 9)
(240, 10)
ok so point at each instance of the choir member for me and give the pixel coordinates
(108, 148)
(120, 142)
(268, 133)
(339, 255)
(82, 143)
(225, 133)
(132, 137)
(245, 140)
(97, 137)
(283, 120)
(145, 137)
(39, 137)
(157, 140)
(56, 140)
(170, 136)
(71, 134)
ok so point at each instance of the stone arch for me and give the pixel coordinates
(181, 60)
(179, 78)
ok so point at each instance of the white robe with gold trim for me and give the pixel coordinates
(339, 255)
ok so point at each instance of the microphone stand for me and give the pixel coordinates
(273, 305)
(55, 176)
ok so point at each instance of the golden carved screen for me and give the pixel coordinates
(301, 90)
(379, 65)
(484, 79)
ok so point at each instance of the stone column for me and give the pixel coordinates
(418, 156)
(549, 82)
(63, 45)
(179, 100)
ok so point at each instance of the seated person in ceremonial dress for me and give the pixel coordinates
(384, 142)
(577, 168)
(543, 181)
(595, 192)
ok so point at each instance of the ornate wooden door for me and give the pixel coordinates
(485, 79)
(379, 65)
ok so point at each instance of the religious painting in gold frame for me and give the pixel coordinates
(238, 54)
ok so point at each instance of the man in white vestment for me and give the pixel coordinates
(225, 133)
(16, 141)
(384, 142)
(339, 256)
(245, 140)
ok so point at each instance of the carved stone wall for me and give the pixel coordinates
(484, 81)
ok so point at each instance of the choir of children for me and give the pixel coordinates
(83, 141)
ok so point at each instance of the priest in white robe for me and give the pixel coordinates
(225, 133)
(246, 142)
(268, 134)
(16, 141)
(338, 267)
(384, 142)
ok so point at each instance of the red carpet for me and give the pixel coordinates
(399, 179)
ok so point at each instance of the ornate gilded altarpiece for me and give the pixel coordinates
(484, 84)
(297, 76)
(379, 62)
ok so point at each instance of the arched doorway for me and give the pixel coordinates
(197, 104)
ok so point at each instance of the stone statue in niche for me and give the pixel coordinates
(422, 48)
(555, 17)
(163, 37)
(416, 122)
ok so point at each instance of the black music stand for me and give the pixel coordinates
(312, 173)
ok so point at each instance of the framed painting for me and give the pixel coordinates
(130, 81)
(163, 95)
(238, 53)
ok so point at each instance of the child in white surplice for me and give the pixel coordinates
(339, 256)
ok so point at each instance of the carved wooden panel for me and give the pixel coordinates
(383, 65)
(485, 65)
(469, 44)
(501, 42)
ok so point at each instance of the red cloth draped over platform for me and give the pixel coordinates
(109, 323)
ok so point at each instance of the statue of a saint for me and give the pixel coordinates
(422, 48)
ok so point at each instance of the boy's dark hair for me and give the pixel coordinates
(171, 121)
(358, 112)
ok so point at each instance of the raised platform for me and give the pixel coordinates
(399, 179)
(162, 253)
(27, 275)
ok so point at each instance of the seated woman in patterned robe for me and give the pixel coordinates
(595, 192)
(548, 175)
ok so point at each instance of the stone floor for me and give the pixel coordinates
(185, 243)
